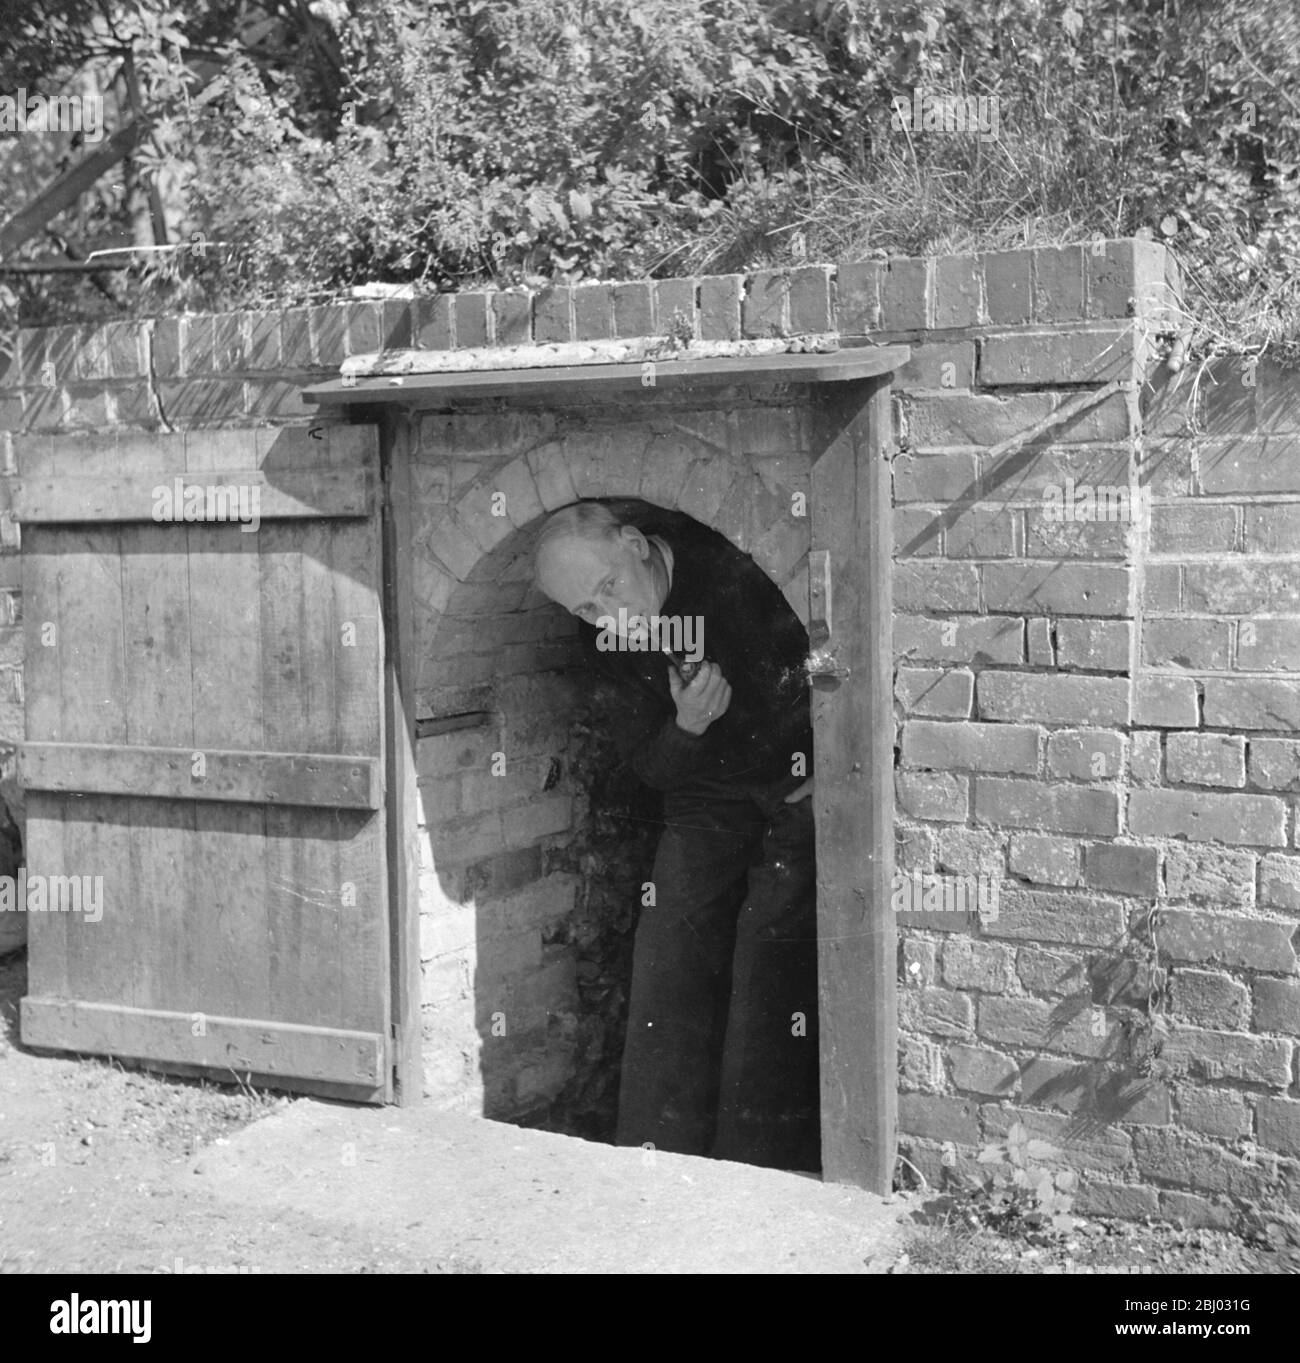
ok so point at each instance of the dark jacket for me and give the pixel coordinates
(750, 631)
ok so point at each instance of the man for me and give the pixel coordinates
(721, 1051)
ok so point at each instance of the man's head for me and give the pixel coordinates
(593, 565)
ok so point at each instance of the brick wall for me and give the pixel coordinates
(1102, 713)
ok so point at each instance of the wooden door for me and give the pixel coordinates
(205, 735)
(853, 732)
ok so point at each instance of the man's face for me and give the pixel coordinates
(596, 578)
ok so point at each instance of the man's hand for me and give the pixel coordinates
(800, 792)
(702, 700)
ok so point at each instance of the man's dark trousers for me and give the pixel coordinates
(721, 1054)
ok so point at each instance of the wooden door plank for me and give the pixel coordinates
(47, 934)
(304, 886)
(162, 835)
(229, 926)
(358, 661)
(101, 957)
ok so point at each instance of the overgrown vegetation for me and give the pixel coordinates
(295, 150)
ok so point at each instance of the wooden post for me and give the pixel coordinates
(854, 791)
(396, 436)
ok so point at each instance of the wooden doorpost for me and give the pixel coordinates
(849, 630)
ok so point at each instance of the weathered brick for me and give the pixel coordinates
(913, 847)
(1250, 464)
(1051, 972)
(633, 310)
(942, 421)
(1240, 819)
(1209, 999)
(593, 312)
(1057, 588)
(979, 1070)
(1213, 1112)
(975, 965)
(920, 1065)
(1005, 802)
(720, 307)
(970, 747)
(810, 299)
(938, 1118)
(906, 294)
(1165, 703)
(1049, 861)
(1249, 943)
(1269, 645)
(765, 308)
(1241, 588)
(1215, 1055)
(970, 851)
(935, 691)
(985, 639)
(1058, 284)
(982, 532)
(857, 297)
(1278, 1124)
(1198, 645)
(957, 281)
(1272, 529)
(553, 315)
(1008, 286)
(947, 478)
(1208, 529)
(1176, 1157)
(1206, 759)
(1045, 916)
(1210, 875)
(1093, 645)
(512, 317)
(1053, 699)
(675, 307)
(937, 795)
(941, 1012)
(1277, 1006)
(1145, 759)
(1038, 640)
(918, 533)
(1107, 1151)
(938, 365)
(1085, 754)
(430, 322)
(1126, 279)
(1186, 1209)
(1275, 763)
(1122, 869)
(1163, 588)
(936, 587)
(916, 961)
(1047, 357)
(1122, 1201)
(1279, 882)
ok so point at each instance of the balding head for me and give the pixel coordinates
(592, 565)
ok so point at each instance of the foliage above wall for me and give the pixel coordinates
(294, 150)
